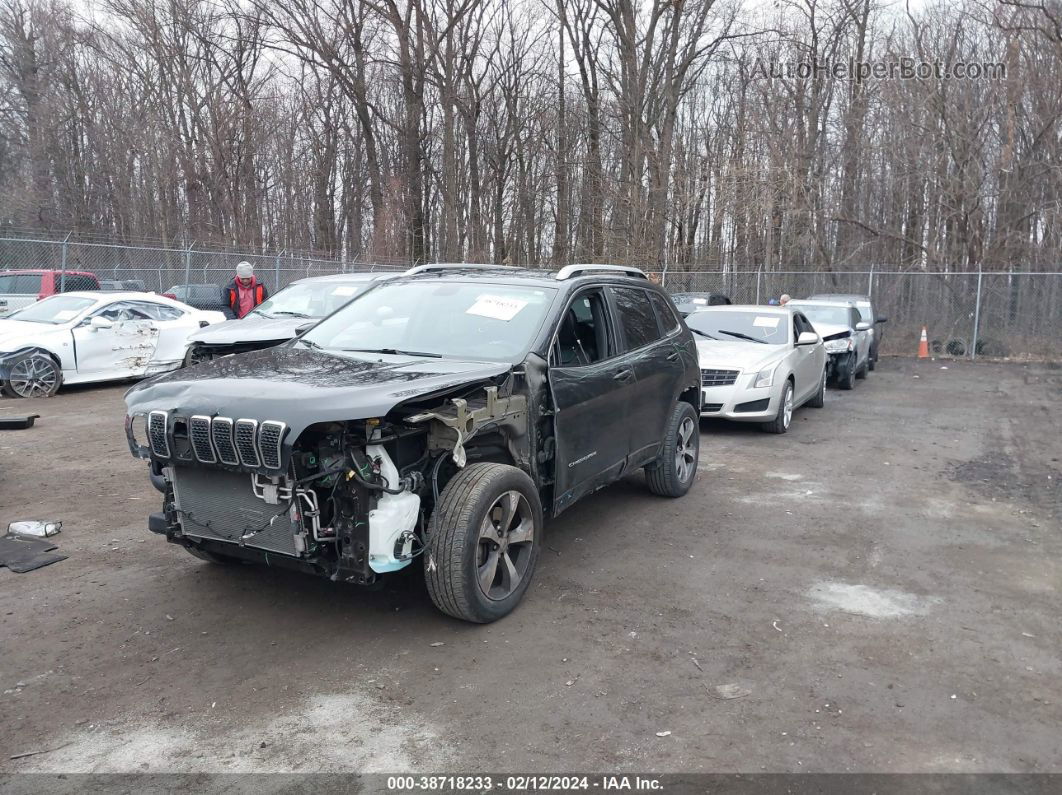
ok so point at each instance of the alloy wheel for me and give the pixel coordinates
(506, 537)
(787, 407)
(32, 377)
(685, 450)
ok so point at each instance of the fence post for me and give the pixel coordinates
(759, 275)
(188, 264)
(276, 273)
(870, 282)
(977, 315)
(62, 274)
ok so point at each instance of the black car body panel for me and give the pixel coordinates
(300, 386)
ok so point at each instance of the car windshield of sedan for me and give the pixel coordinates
(460, 320)
(55, 310)
(310, 299)
(772, 329)
(817, 313)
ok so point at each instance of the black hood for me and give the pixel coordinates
(302, 386)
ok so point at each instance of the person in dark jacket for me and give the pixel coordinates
(245, 291)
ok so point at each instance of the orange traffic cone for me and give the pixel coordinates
(923, 345)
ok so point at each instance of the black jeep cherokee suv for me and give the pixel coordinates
(441, 415)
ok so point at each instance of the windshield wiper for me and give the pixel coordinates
(739, 335)
(392, 352)
(289, 314)
(702, 333)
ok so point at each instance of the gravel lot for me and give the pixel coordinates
(883, 581)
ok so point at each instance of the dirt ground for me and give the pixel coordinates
(883, 582)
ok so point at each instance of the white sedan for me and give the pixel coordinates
(758, 364)
(83, 337)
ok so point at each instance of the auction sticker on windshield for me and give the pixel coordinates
(766, 322)
(496, 307)
(66, 314)
(344, 290)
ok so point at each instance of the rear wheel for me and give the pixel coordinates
(483, 542)
(34, 375)
(862, 371)
(781, 421)
(873, 359)
(672, 474)
(818, 400)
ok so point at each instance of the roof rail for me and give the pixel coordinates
(443, 266)
(571, 271)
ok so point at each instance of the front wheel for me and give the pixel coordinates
(846, 380)
(672, 474)
(483, 542)
(34, 375)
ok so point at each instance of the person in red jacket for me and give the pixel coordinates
(245, 291)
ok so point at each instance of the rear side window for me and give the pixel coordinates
(73, 282)
(636, 317)
(157, 311)
(20, 283)
(665, 312)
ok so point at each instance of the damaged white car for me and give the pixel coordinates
(84, 337)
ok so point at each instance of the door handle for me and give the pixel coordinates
(623, 374)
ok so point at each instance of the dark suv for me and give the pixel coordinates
(441, 415)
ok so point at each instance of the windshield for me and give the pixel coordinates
(55, 310)
(772, 329)
(460, 320)
(311, 299)
(816, 313)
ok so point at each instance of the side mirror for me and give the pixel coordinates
(881, 320)
(97, 323)
(862, 325)
(807, 338)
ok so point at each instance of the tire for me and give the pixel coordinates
(468, 567)
(846, 380)
(818, 400)
(862, 371)
(210, 557)
(782, 420)
(873, 362)
(674, 472)
(33, 375)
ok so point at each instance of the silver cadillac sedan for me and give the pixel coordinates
(758, 364)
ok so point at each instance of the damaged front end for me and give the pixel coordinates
(346, 499)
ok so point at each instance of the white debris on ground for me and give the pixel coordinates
(866, 601)
(363, 739)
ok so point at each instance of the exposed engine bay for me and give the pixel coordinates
(348, 499)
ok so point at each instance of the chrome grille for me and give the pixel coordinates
(245, 442)
(270, 435)
(160, 443)
(718, 377)
(221, 431)
(199, 436)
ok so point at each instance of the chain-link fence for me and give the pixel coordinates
(162, 267)
(993, 313)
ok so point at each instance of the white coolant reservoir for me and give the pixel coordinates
(394, 515)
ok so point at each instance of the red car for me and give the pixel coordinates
(22, 288)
